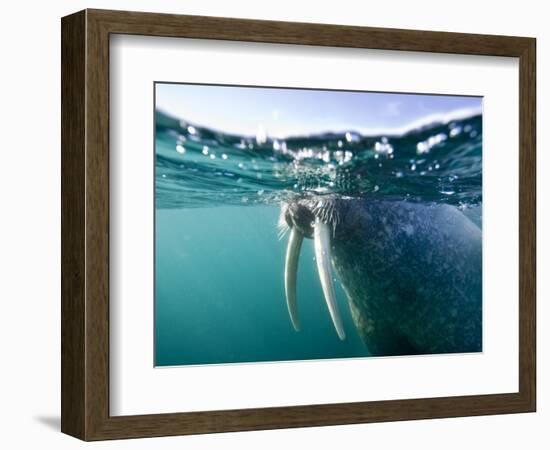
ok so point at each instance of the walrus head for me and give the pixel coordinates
(317, 219)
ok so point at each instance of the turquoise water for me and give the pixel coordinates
(220, 295)
(219, 292)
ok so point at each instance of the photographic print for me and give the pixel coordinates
(298, 224)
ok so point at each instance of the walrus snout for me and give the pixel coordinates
(302, 214)
(299, 216)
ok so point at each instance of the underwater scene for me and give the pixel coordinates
(305, 224)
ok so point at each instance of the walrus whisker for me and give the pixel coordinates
(282, 226)
(321, 237)
(291, 272)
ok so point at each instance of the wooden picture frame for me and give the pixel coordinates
(85, 224)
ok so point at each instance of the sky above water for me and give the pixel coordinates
(280, 112)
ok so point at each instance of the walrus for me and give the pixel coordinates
(412, 272)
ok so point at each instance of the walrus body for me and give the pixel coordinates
(412, 272)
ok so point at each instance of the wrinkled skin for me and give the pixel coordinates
(412, 274)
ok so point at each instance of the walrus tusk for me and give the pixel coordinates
(321, 236)
(291, 272)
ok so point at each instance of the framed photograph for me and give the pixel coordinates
(270, 224)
